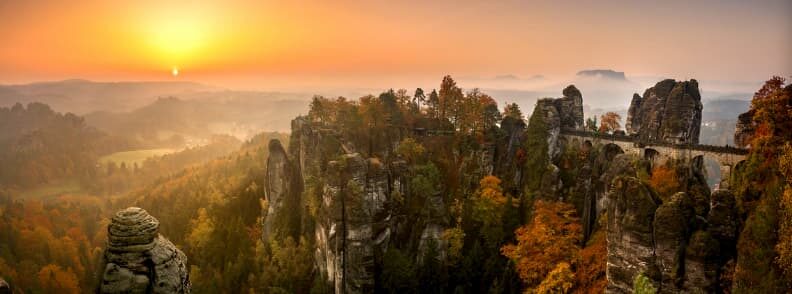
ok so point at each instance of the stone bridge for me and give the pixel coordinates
(657, 152)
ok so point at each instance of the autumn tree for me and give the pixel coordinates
(550, 239)
(784, 246)
(772, 117)
(559, 280)
(54, 279)
(451, 99)
(590, 275)
(610, 122)
(433, 105)
(664, 180)
(410, 150)
(759, 185)
(488, 201)
(513, 110)
(321, 109)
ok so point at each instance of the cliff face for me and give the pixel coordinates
(630, 239)
(678, 241)
(283, 191)
(669, 112)
(744, 129)
(354, 220)
(139, 260)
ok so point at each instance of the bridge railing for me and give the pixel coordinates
(648, 143)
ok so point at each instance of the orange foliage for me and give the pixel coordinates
(609, 122)
(590, 275)
(53, 279)
(664, 181)
(489, 188)
(552, 237)
(772, 107)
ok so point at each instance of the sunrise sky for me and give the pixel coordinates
(243, 43)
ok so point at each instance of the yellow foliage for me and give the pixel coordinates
(784, 245)
(455, 237)
(559, 280)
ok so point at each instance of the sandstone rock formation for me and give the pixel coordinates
(139, 260)
(722, 219)
(561, 113)
(633, 122)
(282, 192)
(671, 230)
(353, 219)
(668, 112)
(630, 234)
(744, 129)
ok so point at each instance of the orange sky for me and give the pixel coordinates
(353, 42)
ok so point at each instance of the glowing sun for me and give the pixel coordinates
(175, 71)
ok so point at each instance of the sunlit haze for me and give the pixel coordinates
(267, 44)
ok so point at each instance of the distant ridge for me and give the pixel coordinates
(81, 96)
(605, 73)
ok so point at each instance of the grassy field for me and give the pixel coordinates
(134, 156)
(49, 190)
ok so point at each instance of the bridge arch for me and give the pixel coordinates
(610, 150)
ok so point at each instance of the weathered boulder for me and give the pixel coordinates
(668, 112)
(139, 260)
(672, 224)
(631, 212)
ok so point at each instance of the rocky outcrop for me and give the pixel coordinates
(744, 129)
(552, 120)
(507, 153)
(571, 108)
(561, 113)
(139, 260)
(633, 124)
(671, 229)
(668, 112)
(551, 183)
(630, 234)
(283, 189)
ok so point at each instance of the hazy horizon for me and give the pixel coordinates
(268, 46)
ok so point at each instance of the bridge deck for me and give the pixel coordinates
(639, 142)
